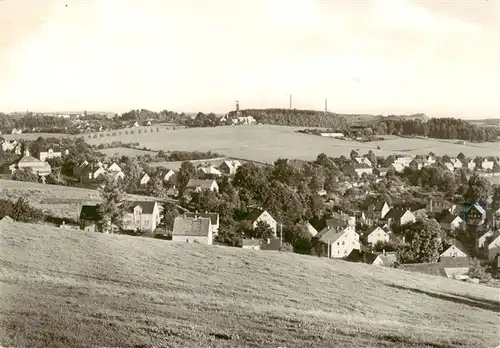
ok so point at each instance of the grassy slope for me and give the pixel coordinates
(73, 289)
(57, 201)
(266, 143)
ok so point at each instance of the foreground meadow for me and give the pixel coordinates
(266, 143)
(76, 289)
(56, 201)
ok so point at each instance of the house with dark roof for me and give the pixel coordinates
(377, 235)
(339, 241)
(229, 167)
(455, 267)
(475, 214)
(89, 219)
(257, 214)
(377, 259)
(253, 244)
(141, 215)
(357, 169)
(214, 219)
(378, 211)
(416, 163)
(200, 185)
(380, 172)
(192, 230)
(28, 162)
(450, 222)
(399, 217)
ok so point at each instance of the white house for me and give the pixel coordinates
(456, 163)
(168, 175)
(144, 179)
(377, 235)
(362, 160)
(199, 185)
(404, 161)
(453, 251)
(142, 215)
(481, 241)
(214, 219)
(192, 230)
(450, 222)
(229, 167)
(210, 170)
(487, 164)
(340, 242)
(397, 167)
(258, 214)
(49, 153)
(470, 164)
(493, 247)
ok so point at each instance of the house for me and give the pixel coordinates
(210, 170)
(470, 164)
(377, 259)
(310, 229)
(8, 145)
(481, 242)
(399, 217)
(229, 167)
(192, 230)
(453, 251)
(416, 164)
(168, 175)
(332, 135)
(214, 219)
(141, 215)
(256, 214)
(397, 167)
(340, 242)
(404, 161)
(145, 178)
(253, 244)
(446, 166)
(51, 152)
(91, 173)
(438, 206)
(31, 163)
(380, 172)
(450, 222)
(475, 214)
(455, 267)
(493, 243)
(199, 185)
(487, 164)
(357, 169)
(114, 168)
(378, 211)
(363, 160)
(89, 219)
(457, 164)
(16, 131)
(377, 235)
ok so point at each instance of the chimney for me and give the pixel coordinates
(196, 214)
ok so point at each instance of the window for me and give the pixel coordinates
(338, 243)
(343, 243)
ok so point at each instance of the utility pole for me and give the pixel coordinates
(281, 234)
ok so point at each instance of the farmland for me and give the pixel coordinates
(126, 151)
(267, 143)
(79, 289)
(56, 201)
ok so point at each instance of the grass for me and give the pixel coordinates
(266, 143)
(125, 151)
(57, 201)
(79, 289)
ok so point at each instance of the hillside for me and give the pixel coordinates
(57, 201)
(77, 289)
(313, 118)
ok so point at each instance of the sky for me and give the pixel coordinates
(376, 56)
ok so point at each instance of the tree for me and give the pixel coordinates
(186, 172)
(156, 188)
(22, 211)
(170, 212)
(478, 271)
(263, 231)
(24, 175)
(424, 240)
(286, 248)
(478, 190)
(230, 235)
(372, 158)
(111, 210)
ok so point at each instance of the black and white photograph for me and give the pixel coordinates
(249, 173)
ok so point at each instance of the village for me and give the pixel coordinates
(370, 235)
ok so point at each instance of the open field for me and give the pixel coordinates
(176, 165)
(33, 136)
(77, 289)
(266, 143)
(125, 151)
(56, 201)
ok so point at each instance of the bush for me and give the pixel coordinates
(126, 132)
(101, 135)
(95, 136)
(286, 248)
(478, 271)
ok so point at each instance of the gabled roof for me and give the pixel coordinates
(379, 205)
(254, 214)
(395, 213)
(194, 183)
(147, 206)
(185, 226)
(214, 217)
(478, 207)
(358, 165)
(331, 235)
(454, 262)
(310, 228)
(389, 259)
(29, 159)
(90, 213)
(250, 242)
(377, 228)
(449, 218)
(360, 256)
